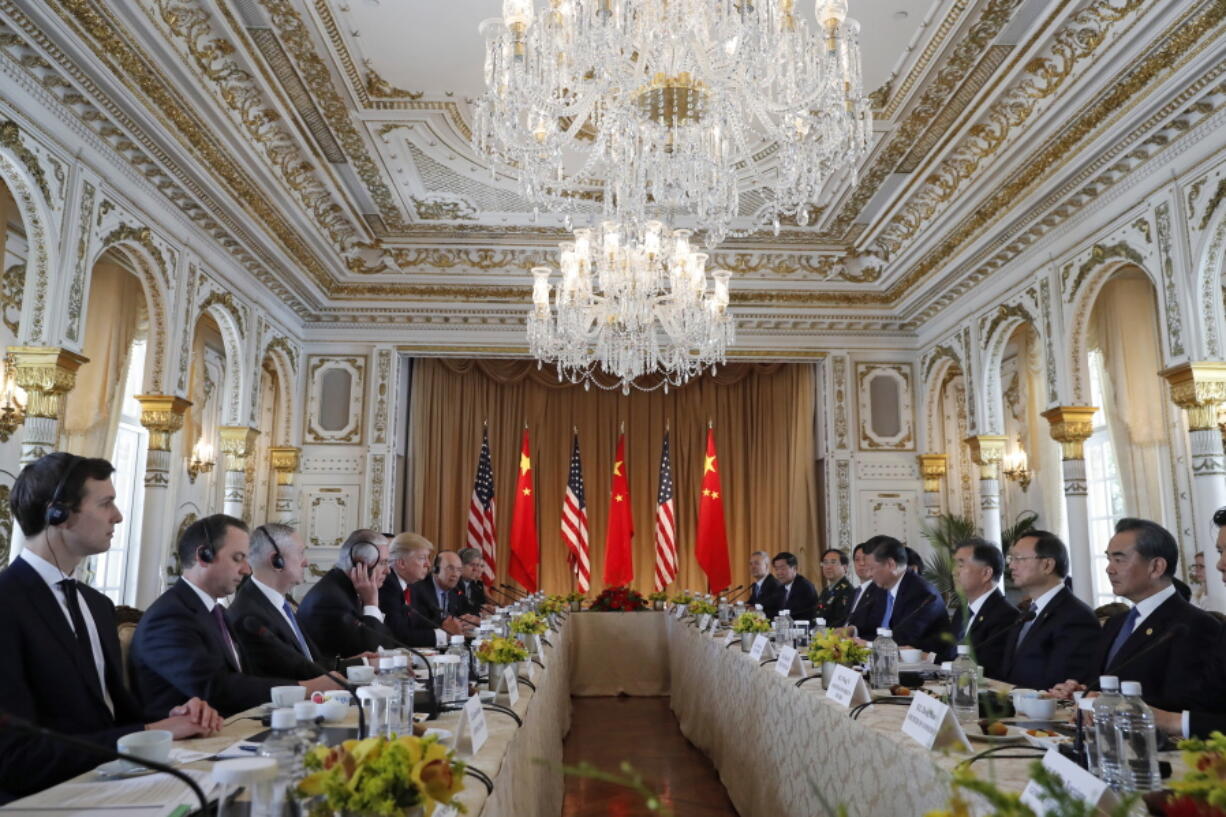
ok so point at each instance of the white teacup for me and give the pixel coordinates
(333, 710)
(359, 674)
(911, 656)
(1042, 709)
(340, 695)
(287, 696)
(151, 744)
(1020, 694)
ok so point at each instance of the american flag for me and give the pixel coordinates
(574, 523)
(481, 512)
(666, 529)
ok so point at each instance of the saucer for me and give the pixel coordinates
(119, 769)
(487, 696)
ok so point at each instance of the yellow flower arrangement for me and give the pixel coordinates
(552, 605)
(499, 650)
(381, 776)
(659, 595)
(751, 622)
(682, 599)
(529, 624)
(835, 649)
(1205, 781)
(702, 607)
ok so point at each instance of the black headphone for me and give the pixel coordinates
(205, 553)
(277, 561)
(438, 557)
(58, 512)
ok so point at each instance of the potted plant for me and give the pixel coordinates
(531, 627)
(682, 599)
(657, 599)
(748, 625)
(403, 776)
(552, 607)
(575, 599)
(829, 650)
(702, 607)
(499, 653)
(1201, 792)
(620, 599)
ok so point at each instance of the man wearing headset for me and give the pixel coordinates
(262, 616)
(341, 612)
(184, 643)
(61, 664)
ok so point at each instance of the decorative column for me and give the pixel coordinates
(987, 451)
(1071, 426)
(237, 443)
(1198, 388)
(285, 461)
(162, 415)
(46, 373)
(933, 468)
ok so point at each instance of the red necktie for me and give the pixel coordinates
(408, 595)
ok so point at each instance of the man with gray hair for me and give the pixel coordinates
(341, 612)
(763, 585)
(472, 565)
(262, 615)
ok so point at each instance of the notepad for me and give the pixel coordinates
(155, 795)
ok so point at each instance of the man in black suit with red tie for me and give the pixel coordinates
(409, 556)
(903, 603)
(762, 584)
(1057, 637)
(61, 666)
(985, 615)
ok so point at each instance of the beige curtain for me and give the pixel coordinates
(1025, 397)
(1123, 327)
(764, 425)
(114, 317)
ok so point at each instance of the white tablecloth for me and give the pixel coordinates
(619, 653)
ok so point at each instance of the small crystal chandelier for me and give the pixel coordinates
(632, 305)
(12, 401)
(655, 106)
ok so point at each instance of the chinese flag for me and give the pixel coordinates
(618, 557)
(524, 543)
(712, 543)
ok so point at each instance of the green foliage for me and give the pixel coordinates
(944, 537)
(630, 778)
(1024, 522)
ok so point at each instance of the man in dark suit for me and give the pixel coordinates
(835, 601)
(860, 561)
(263, 617)
(1056, 638)
(985, 615)
(1163, 641)
(904, 603)
(184, 644)
(796, 594)
(436, 597)
(472, 588)
(409, 557)
(60, 664)
(762, 584)
(341, 612)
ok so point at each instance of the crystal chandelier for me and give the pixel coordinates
(659, 106)
(633, 304)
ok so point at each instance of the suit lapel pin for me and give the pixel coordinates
(1149, 630)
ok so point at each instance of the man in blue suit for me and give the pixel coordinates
(184, 644)
(61, 666)
(904, 603)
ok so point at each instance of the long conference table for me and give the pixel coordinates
(780, 750)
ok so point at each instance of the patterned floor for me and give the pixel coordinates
(643, 731)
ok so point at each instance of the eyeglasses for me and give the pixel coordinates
(831, 563)
(1011, 559)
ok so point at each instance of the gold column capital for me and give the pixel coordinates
(987, 450)
(1071, 426)
(1198, 388)
(285, 461)
(237, 443)
(932, 468)
(162, 414)
(46, 373)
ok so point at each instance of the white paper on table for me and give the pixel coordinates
(790, 663)
(239, 748)
(760, 643)
(932, 724)
(847, 688)
(154, 795)
(731, 636)
(1077, 782)
(512, 685)
(703, 621)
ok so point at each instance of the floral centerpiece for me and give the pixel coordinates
(575, 598)
(622, 598)
(381, 776)
(500, 652)
(1060, 802)
(1201, 792)
(682, 599)
(552, 605)
(702, 607)
(531, 627)
(657, 599)
(751, 623)
(830, 650)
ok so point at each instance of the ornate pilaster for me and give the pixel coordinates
(46, 373)
(237, 443)
(285, 460)
(933, 468)
(987, 450)
(162, 415)
(1198, 389)
(1071, 426)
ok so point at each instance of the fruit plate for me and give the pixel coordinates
(1044, 741)
(1012, 735)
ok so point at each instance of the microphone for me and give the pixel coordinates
(435, 707)
(729, 595)
(9, 721)
(504, 594)
(1175, 631)
(517, 593)
(252, 626)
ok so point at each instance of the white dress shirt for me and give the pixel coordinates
(277, 600)
(440, 636)
(209, 602)
(52, 575)
(1042, 601)
(973, 608)
(860, 591)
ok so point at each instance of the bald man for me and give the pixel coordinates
(437, 597)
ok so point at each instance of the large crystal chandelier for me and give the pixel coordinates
(660, 106)
(632, 304)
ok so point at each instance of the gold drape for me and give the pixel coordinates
(763, 416)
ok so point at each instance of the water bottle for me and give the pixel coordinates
(1136, 741)
(285, 747)
(964, 686)
(460, 653)
(884, 672)
(305, 713)
(800, 634)
(385, 677)
(406, 683)
(783, 629)
(481, 668)
(1108, 759)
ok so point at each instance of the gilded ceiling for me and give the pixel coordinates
(335, 134)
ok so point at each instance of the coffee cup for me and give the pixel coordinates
(1042, 709)
(1020, 694)
(911, 656)
(151, 744)
(287, 696)
(341, 695)
(333, 711)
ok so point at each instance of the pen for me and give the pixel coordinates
(181, 811)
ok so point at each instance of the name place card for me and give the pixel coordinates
(1077, 781)
(704, 621)
(512, 685)
(932, 724)
(760, 643)
(472, 731)
(790, 663)
(730, 636)
(847, 688)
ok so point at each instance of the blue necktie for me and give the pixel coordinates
(293, 622)
(1130, 623)
(442, 601)
(889, 610)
